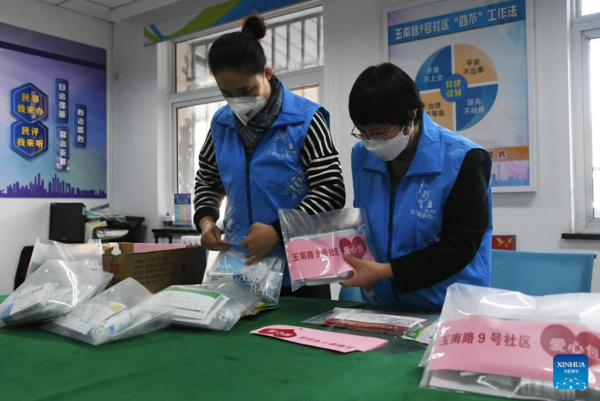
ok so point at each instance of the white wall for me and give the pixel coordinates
(22, 220)
(142, 142)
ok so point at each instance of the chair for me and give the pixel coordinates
(24, 260)
(542, 273)
(350, 294)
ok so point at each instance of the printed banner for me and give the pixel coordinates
(469, 59)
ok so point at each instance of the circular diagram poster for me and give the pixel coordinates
(469, 60)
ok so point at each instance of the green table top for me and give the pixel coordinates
(183, 363)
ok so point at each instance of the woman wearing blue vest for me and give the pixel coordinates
(267, 149)
(426, 193)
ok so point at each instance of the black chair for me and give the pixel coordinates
(23, 265)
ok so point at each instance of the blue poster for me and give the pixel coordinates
(469, 59)
(52, 117)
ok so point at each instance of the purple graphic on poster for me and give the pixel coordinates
(44, 83)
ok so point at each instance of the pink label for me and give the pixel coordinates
(143, 247)
(312, 258)
(512, 348)
(343, 343)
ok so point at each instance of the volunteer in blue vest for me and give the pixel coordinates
(426, 193)
(267, 149)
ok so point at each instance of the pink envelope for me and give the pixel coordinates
(343, 343)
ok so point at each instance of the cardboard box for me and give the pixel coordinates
(156, 270)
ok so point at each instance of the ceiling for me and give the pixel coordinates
(116, 10)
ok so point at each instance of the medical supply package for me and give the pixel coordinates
(208, 306)
(125, 310)
(85, 255)
(315, 244)
(262, 277)
(52, 291)
(389, 323)
(504, 343)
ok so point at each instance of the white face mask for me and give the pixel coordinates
(246, 107)
(388, 149)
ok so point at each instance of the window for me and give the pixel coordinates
(294, 49)
(293, 42)
(589, 7)
(586, 124)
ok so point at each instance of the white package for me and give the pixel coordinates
(263, 277)
(124, 310)
(85, 255)
(208, 306)
(53, 290)
(502, 343)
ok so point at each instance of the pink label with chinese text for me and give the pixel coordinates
(512, 348)
(312, 258)
(343, 343)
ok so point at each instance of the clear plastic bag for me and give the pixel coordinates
(53, 290)
(85, 255)
(315, 245)
(502, 343)
(423, 333)
(263, 277)
(124, 310)
(208, 306)
(389, 323)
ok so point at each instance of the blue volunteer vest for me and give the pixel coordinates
(272, 177)
(417, 209)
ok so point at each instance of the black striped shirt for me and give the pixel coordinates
(321, 163)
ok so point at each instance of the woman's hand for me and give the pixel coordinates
(211, 235)
(260, 240)
(366, 272)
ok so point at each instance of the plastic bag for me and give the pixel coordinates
(263, 277)
(208, 306)
(371, 321)
(315, 245)
(85, 255)
(502, 343)
(124, 310)
(424, 333)
(53, 290)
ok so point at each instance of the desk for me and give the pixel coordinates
(185, 364)
(168, 233)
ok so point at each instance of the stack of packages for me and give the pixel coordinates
(125, 310)
(65, 286)
(315, 245)
(504, 343)
(52, 291)
(262, 278)
(208, 306)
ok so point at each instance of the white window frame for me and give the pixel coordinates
(583, 29)
(294, 79)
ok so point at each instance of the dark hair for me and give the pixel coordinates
(240, 51)
(384, 94)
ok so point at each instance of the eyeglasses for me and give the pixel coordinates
(359, 135)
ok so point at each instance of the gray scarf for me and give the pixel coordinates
(256, 128)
